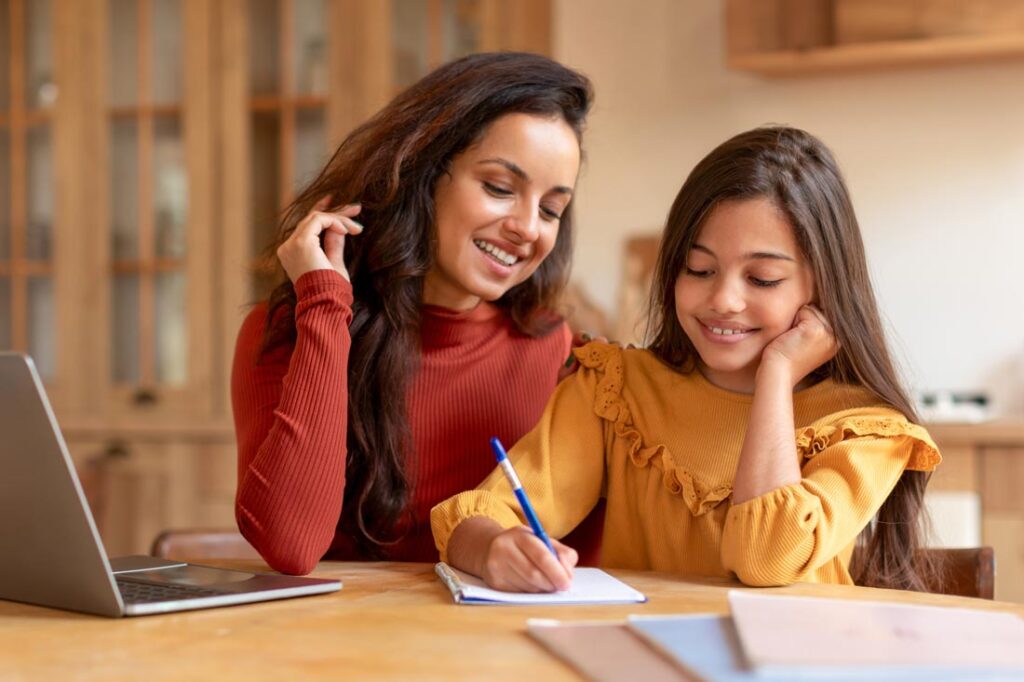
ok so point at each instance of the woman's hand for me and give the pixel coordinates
(302, 251)
(809, 344)
(517, 561)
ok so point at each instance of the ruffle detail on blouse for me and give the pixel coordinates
(924, 455)
(609, 405)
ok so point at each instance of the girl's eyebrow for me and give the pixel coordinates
(753, 255)
(521, 174)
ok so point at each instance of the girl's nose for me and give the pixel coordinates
(727, 296)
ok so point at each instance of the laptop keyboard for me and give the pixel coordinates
(141, 592)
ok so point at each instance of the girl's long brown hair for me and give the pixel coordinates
(391, 165)
(798, 173)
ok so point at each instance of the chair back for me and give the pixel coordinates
(199, 544)
(966, 572)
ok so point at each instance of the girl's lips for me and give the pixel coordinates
(728, 338)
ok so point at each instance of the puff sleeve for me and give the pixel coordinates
(851, 461)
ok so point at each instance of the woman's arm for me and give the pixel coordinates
(291, 415)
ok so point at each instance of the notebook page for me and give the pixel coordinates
(589, 586)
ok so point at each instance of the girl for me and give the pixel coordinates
(763, 320)
(412, 320)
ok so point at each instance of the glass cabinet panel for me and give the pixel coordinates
(5, 195)
(409, 36)
(170, 188)
(5, 55)
(310, 41)
(41, 200)
(124, 189)
(41, 317)
(167, 61)
(125, 332)
(311, 151)
(288, 83)
(171, 336)
(5, 312)
(264, 49)
(149, 203)
(460, 32)
(124, 52)
(40, 90)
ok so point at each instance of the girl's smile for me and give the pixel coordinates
(744, 282)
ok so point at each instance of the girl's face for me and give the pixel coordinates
(498, 209)
(744, 281)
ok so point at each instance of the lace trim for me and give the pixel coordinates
(924, 455)
(699, 497)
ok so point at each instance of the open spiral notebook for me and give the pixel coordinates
(589, 586)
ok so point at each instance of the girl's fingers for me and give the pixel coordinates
(322, 205)
(555, 574)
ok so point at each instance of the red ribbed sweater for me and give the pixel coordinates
(478, 378)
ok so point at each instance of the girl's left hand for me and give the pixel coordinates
(809, 344)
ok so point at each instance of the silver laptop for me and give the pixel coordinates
(50, 552)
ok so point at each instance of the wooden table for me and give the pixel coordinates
(389, 621)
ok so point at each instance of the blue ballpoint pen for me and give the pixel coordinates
(517, 488)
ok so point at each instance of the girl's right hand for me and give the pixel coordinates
(302, 251)
(517, 561)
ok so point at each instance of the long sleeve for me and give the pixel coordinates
(560, 464)
(291, 416)
(851, 464)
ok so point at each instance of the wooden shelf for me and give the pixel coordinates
(881, 55)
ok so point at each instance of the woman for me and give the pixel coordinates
(365, 389)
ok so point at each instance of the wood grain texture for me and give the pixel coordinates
(390, 621)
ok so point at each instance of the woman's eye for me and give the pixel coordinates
(766, 283)
(496, 190)
(698, 273)
(549, 214)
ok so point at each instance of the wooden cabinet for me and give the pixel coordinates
(806, 37)
(988, 459)
(146, 150)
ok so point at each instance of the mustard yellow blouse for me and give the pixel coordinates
(662, 448)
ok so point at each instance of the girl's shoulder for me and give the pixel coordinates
(870, 421)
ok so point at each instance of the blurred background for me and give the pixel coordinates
(146, 147)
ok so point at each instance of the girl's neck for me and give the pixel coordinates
(743, 381)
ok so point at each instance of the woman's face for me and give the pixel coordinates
(744, 281)
(498, 209)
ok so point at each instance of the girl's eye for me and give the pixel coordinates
(698, 273)
(496, 190)
(766, 283)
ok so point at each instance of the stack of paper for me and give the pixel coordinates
(804, 638)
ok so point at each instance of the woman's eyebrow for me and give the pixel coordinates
(521, 174)
(753, 255)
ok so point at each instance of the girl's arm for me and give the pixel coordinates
(768, 459)
(291, 415)
(561, 466)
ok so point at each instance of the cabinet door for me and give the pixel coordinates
(33, 279)
(139, 487)
(153, 256)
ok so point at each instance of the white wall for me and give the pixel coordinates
(934, 158)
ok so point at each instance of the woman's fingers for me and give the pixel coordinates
(317, 243)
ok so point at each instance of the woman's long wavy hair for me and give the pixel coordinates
(391, 165)
(800, 176)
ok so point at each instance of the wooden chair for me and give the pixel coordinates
(965, 572)
(197, 544)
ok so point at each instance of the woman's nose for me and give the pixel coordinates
(523, 224)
